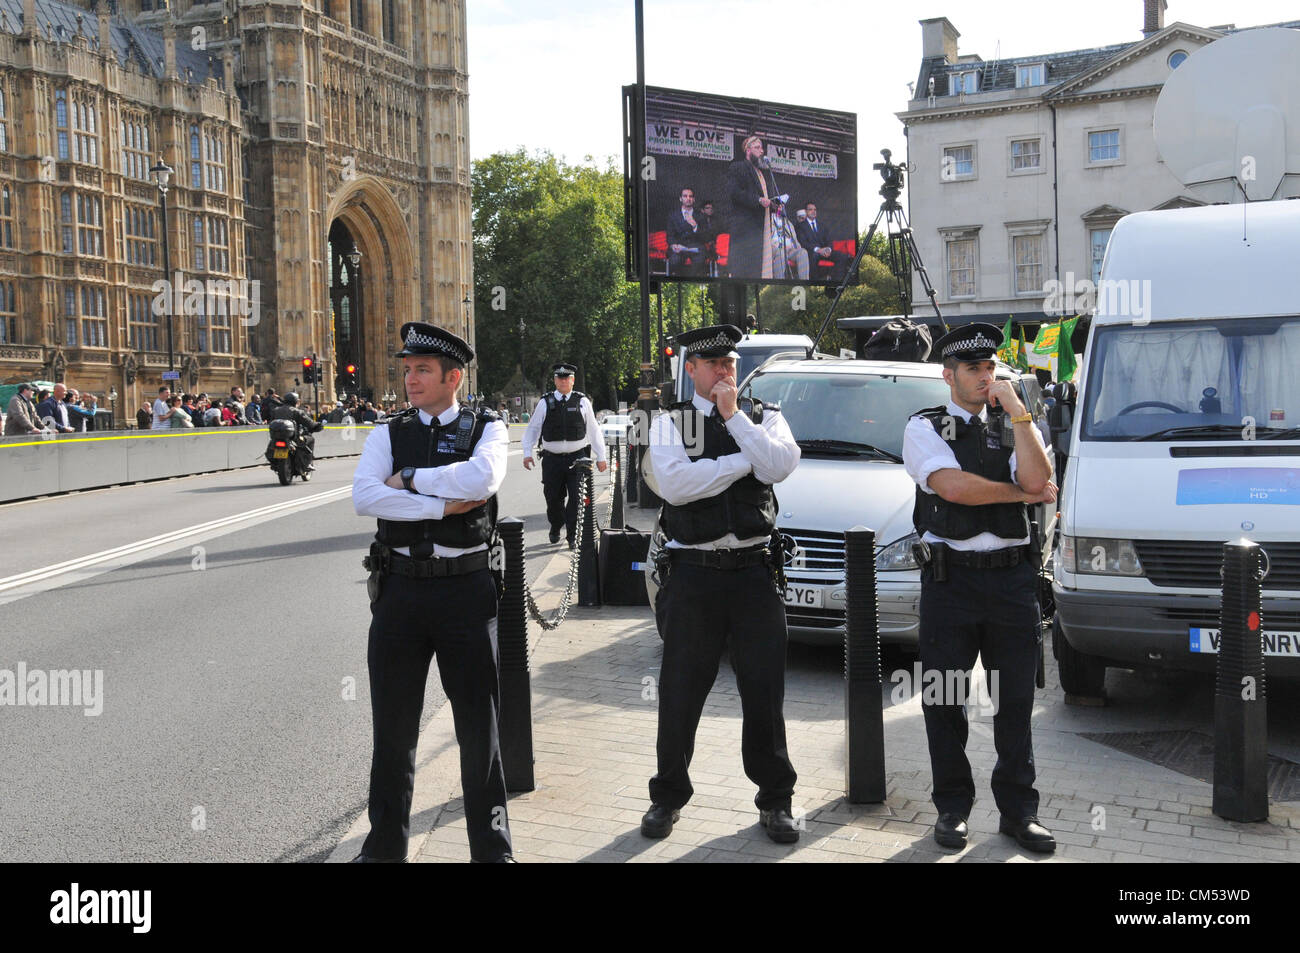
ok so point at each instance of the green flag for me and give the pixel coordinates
(1022, 352)
(1066, 365)
(1007, 352)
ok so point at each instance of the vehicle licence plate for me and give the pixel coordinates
(281, 454)
(804, 596)
(1206, 642)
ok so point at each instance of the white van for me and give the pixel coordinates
(1185, 435)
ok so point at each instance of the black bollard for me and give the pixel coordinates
(616, 515)
(588, 558)
(632, 482)
(516, 720)
(1240, 706)
(864, 716)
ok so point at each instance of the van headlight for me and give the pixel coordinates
(1095, 556)
(897, 556)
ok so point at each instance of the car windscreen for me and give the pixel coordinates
(1226, 379)
(858, 408)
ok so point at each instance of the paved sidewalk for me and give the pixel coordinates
(594, 719)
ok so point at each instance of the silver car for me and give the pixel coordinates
(848, 417)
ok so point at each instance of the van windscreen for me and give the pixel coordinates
(1226, 379)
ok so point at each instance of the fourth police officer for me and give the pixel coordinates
(976, 477)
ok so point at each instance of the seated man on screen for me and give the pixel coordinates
(711, 226)
(685, 238)
(816, 238)
(789, 258)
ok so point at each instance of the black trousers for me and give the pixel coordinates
(455, 618)
(701, 612)
(992, 613)
(558, 481)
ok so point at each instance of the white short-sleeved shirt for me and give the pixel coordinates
(924, 452)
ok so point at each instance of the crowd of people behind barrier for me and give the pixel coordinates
(63, 409)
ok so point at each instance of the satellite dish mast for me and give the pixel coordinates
(1227, 122)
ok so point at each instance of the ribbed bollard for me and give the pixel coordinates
(616, 517)
(864, 717)
(632, 482)
(516, 727)
(1240, 706)
(588, 559)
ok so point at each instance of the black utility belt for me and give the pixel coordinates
(436, 567)
(721, 558)
(927, 553)
(581, 451)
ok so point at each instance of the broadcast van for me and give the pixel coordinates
(1185, 435)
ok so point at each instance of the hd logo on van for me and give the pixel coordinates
(1277, 485)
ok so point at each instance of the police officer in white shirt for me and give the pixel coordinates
(976, 475)
(431, 475)
(714, 462)
(567, 426)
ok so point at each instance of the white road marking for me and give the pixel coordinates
(22, 585)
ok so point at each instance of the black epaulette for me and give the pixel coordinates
(680, 405)
(485, 413)
(578, 394)
(929, 413)
(401, 415)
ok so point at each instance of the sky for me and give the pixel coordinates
(547, 74)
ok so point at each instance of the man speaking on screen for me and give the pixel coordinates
(751, 188)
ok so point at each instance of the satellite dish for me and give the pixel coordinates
(1227, 122)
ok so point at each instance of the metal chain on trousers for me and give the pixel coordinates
(554, 622)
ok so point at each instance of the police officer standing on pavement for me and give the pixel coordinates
(568, 430)
(714, 462)
(977, 473)
(430, 474)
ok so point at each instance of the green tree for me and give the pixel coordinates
(548, 251)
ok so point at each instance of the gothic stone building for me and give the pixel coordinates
(304, 134)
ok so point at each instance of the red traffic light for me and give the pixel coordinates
(306, 363)
(352, 368)
(668, 351)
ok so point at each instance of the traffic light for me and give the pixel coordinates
(350, 377)
(668, 351)
(308, 370)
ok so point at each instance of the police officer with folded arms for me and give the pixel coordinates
(430, 475)
(714, 462)
(568, 430)
(979, 463)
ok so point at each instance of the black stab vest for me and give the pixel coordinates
(564, 421)
(746, 509)
(417, 445)
(970, 445)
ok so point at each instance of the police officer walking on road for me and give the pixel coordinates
(430, 475)
(714, 462)
(976, 475)
(568, 430)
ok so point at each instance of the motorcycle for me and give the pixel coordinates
(288, 455)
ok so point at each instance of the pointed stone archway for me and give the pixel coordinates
(387, 279)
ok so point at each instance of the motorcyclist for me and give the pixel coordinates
(306, 426)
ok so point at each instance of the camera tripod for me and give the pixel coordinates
(903, 254)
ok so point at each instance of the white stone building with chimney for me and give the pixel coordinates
(1022, 166)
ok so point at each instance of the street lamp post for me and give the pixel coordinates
(468, 383)
(523, 397)
(162, 176)
(354, 259)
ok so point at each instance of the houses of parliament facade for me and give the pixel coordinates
(319, 194)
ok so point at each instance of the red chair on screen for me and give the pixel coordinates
(847, 245)
(722, 245)
(659, 250)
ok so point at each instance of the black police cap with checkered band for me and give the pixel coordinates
(564, 370)
(973, 342)
(419, 338)
(718, 340)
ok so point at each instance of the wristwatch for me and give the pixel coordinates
(408, 475)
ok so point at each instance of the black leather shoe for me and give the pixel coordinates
(658, 821)
(950, 831)
(555, 535)
(572, 545)
(1029, 834)
(363, 859)
(779, 825)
